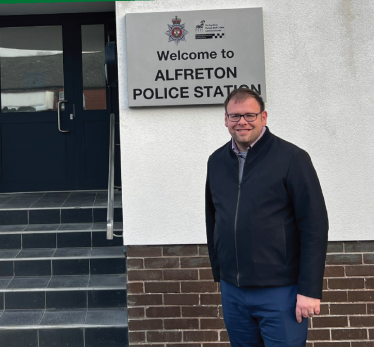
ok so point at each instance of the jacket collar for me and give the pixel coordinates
(261, 141)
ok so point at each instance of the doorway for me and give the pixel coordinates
(54, 105)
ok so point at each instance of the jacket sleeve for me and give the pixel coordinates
(312, 222)
(210, 213)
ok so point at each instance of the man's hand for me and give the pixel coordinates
(306, 307)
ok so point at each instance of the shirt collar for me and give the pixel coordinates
(235, 146)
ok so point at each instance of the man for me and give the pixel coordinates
(266, 229)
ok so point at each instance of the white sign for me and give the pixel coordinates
(193, 57)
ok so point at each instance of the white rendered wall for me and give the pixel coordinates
(320, 81)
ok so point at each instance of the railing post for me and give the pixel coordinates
(110, 210)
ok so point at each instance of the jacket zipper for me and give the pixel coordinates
(236, 219)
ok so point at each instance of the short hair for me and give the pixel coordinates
(244, 93)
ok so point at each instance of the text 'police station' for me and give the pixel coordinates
(200, 73)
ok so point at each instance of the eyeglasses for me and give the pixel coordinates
(249, 117)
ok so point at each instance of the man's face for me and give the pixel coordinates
(245, 133)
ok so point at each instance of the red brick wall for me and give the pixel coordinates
(173, 301)
(347, 318)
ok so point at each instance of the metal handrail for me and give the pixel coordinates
(110, 210)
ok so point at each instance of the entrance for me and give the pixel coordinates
(54, 105)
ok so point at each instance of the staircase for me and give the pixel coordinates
(62, 284)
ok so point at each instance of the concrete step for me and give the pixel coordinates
(62, 253)
(68, 238)
(73, 328)
(26, 216)
(56, 228)
(63, 298)
(66, 261)
(57, 200)
(49, 319)
(56, 283)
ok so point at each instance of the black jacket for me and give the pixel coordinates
(271, 229)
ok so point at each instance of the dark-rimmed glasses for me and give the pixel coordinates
(249, 117)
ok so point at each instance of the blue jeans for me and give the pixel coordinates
(258, 317)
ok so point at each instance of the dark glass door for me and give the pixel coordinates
(49, 63)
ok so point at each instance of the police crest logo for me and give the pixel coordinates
(176, 32)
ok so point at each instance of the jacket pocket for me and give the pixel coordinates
(268, 245)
